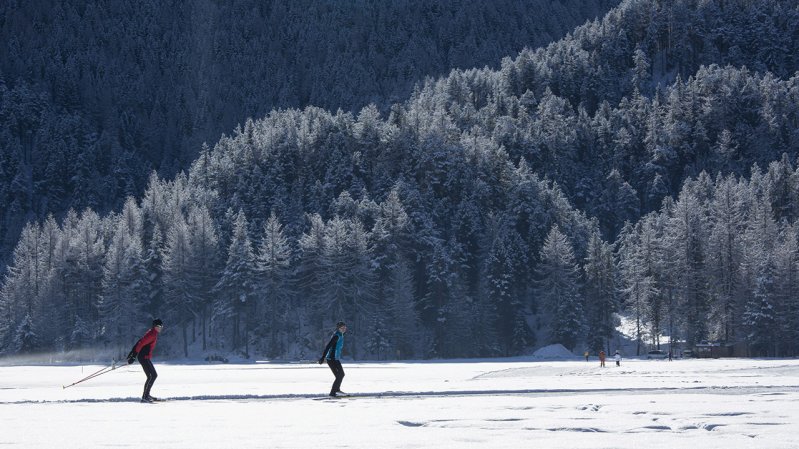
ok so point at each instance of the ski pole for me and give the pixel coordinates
(100, 372)
(90, 376)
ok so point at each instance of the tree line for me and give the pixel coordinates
(719, 261)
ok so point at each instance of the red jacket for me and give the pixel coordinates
(146, 345)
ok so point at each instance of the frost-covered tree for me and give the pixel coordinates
(502, 293)
(686, 237)
(82, 274)
(21, 286)
(275, 287)
(378, 343)
(558, 289)
(599, 289)
(347, 272)
(236, 287)
(402, 319)
(638, 285)
(760, 314)
(25, 337)
(123, 303)
(726, 255)
(180, 300)
(153, 262)
(786, 261)
(309, 271)
(203, 266)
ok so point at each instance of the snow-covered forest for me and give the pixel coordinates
(645, 164)
(94, 95)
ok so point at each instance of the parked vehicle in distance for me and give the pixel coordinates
(657, 354)
(687, 354)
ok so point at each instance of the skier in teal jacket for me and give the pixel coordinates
(332, 354)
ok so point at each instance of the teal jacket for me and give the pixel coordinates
(333, 349)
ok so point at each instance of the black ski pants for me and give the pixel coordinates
(338, 371)
(149, 370)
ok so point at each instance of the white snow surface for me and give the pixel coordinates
(508, 403)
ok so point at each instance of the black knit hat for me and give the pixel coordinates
(158, 322)
(340, 324)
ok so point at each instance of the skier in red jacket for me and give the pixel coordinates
(143, 351)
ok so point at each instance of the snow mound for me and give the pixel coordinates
(556, 351)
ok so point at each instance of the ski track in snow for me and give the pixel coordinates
(782, 389)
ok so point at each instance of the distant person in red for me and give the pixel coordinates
(143, 351)
(601, 358)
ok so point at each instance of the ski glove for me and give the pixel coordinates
(131, 357)
(321, 360)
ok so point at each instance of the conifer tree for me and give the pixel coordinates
(558, 289)
(203, 269)
(236, 287)
(759, 316)
(402, 318)
(180, 292)
(123, 301)
(600, 293)
(25, 337)
(83, 274)
(274, 286)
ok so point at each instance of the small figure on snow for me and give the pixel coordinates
(143, 351)
(670, 355)
(617, 356)
(585, 354)
(332, 354)
(602, 359)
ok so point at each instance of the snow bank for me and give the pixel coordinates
(556, 351)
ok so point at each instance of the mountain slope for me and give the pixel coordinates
(103, 92)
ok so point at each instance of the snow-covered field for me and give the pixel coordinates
(511, 403)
